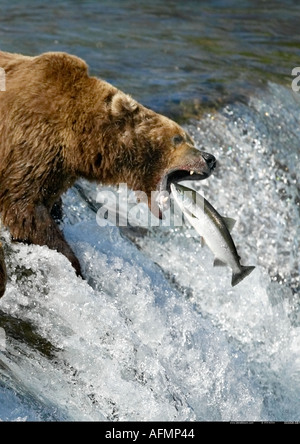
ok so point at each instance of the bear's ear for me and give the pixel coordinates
(122, 104)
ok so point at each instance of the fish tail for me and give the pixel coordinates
(238, 277)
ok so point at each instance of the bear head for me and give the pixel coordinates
(144, 149)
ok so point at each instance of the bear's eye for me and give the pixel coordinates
(178, 139)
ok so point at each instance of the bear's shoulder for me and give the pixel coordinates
(47, 68)
(61, 64)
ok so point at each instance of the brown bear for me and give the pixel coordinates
(58, 124)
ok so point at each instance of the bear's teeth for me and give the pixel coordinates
(191, 172)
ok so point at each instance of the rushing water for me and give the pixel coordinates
(155, 332)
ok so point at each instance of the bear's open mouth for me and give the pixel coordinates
(161, 201)
(197, 168)
(178, 175)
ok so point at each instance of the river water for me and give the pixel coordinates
(155, 332)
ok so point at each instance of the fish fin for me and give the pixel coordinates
(219, 263)
(238, 277)
(229, 222)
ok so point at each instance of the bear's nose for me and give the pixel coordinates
(210, 160)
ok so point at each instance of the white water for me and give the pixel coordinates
(155, 332)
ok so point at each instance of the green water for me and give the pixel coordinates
(171, 55)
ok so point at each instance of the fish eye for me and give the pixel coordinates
(178, 139)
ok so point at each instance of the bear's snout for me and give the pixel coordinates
(210, 160)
